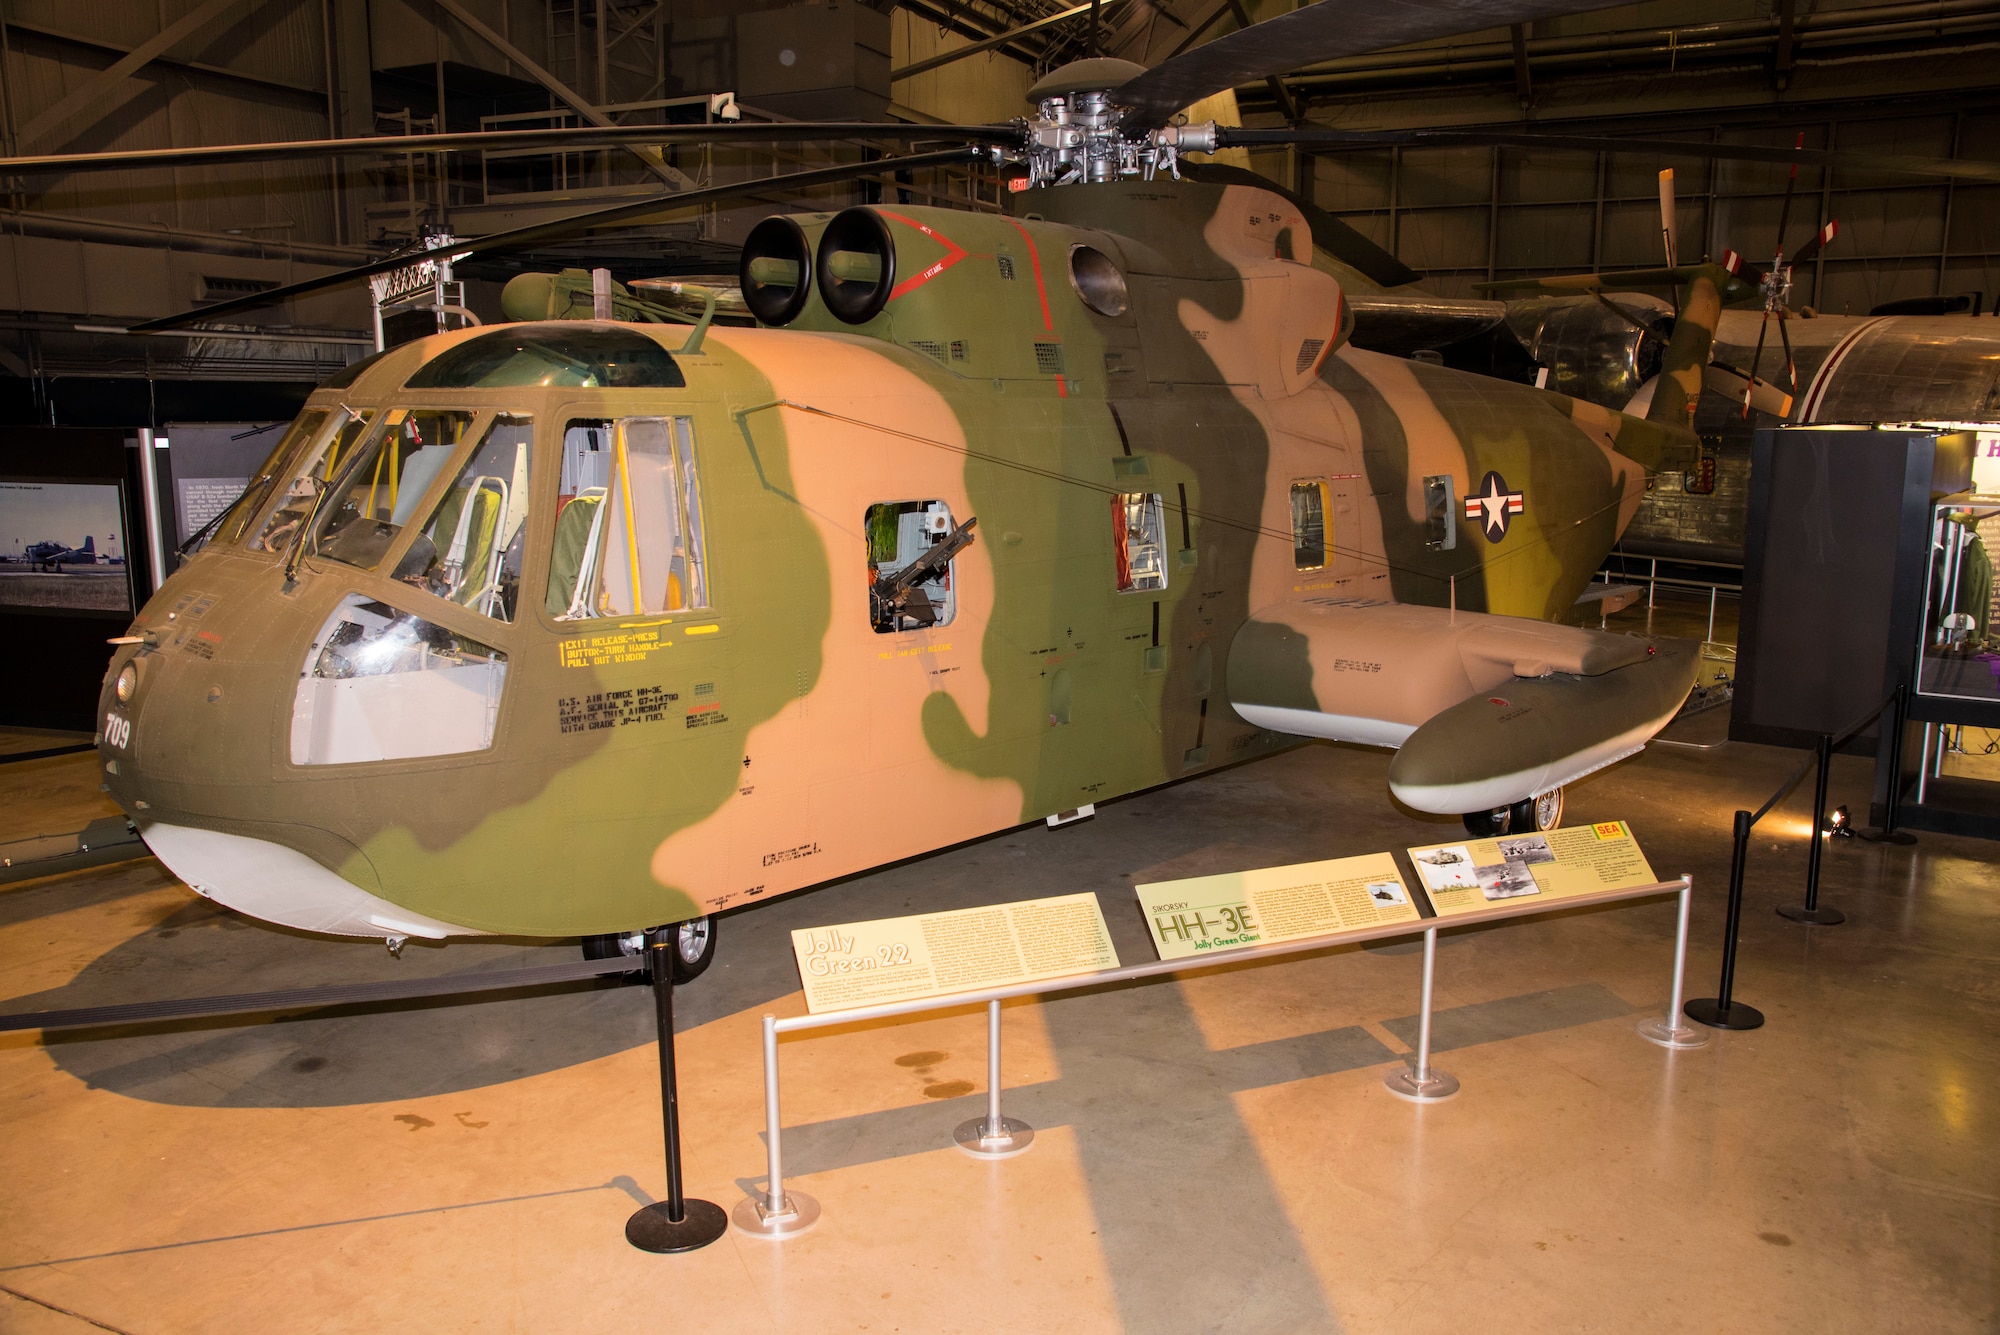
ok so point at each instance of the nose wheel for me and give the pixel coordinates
(693, 950)
(1528, 817)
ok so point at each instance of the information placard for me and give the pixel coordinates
(961, 950)
(1269, 904)
(1556, 864)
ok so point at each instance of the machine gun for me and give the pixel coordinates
(894, 599)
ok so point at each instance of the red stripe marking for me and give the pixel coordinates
(953, 254)
(1035, 257)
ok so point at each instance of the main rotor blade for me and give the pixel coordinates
(1756, 358)
(1323, 31)
(1969, 169)
(573, 225)
(1791, 363)
(1669, 231)
(582, 136)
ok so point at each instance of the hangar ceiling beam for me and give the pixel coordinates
(648, 159)
(976, 48)
(98, 95)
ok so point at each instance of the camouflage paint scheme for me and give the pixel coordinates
(840, 749)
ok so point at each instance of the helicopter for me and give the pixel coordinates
(571, 627)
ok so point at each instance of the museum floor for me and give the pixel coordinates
(1214, 1152)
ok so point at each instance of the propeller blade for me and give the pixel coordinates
(1791, 366)
(1785, 209)
(1756, 359)
(583, 136)
(1309, 136)
(573, 225)
(1742, 268)
(1820, 238)
(1764, 396)
(1322, 31)
(1669, 230)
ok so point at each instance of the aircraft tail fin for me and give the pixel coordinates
(89, 545)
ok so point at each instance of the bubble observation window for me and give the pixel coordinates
(383, 684)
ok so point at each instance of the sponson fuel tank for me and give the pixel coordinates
(1485, 711)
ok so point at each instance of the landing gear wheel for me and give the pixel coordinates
(693, 949)
(632, 945)
(1489, 824)
(1537, 813)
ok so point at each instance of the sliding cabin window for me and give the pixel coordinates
(317, 465)
(378, 490)
(901, 533)
(470, 549)
(629, 536)
(1139, 540)
(1310, 503)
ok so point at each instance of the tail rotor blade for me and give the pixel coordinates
(1669, 232)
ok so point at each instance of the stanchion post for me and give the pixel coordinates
(1417, 1081)
(1812, 913)
(993, 1136)
(777, 1213)
(677, 1224)
(1899, 722)
(1722, 1011)
(1670, 1032)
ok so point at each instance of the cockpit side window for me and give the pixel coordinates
(629, 535)
(470, 548)
(321, 460)
(380, 489)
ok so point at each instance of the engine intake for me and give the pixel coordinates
(776, 271)
(856, 267)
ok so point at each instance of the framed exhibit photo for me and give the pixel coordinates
(63, 548)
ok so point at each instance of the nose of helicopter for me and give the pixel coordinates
(195, 733)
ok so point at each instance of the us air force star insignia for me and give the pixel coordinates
(1493, 506)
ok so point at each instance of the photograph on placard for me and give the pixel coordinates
(1506, 880)
(1388, 892)
(1446, 868)
(1527, 848)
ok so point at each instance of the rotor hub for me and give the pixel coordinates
(1077, 134)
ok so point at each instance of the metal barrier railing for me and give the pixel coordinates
(777, 1212)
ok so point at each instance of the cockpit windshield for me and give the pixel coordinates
(319, 461)
(383, 485)
(276, 466)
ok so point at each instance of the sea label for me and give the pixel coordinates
(1204, 914)
(961, 950)
(1477, 874)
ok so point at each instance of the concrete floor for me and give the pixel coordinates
(1214, 1152)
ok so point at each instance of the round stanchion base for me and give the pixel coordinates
(1671, 1035)
(1403, 1083)
(1735, 1015)
(1876, 836)
(1820, 917)
(750, 1216)
(1014, 1138)
(650, 1230)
